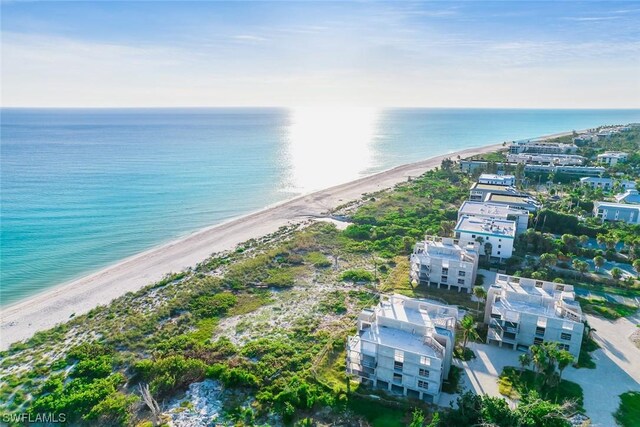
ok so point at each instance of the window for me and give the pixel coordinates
(398, 366)
(538, 284)
(445, 271)
(460, 281)
(397, 378)
(540, 331)
(423, 384)
(538, 341)
(461, 273)
(498, 252)
(563, 347)
(423, 372)
(499, 246)
(473, 236)
(560, 288)
(424, 360)
(565, 336)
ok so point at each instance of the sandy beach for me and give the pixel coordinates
(42, 311)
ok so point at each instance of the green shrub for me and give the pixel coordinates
(357, 275)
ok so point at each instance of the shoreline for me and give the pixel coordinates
(45, 309)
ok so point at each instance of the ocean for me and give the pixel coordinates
(84, 188)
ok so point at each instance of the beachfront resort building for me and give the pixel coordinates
(521, 312)
(479, 191)
(495, 211)
(404, 345)
(612, 158)
(445, 262)
(546, 159)
(470, 166)
(609, 211)
(605, 184)
(496, 235)
(541, 147)
(490, 178)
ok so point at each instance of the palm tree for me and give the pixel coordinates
(525, 360)
(488, 247)
(581, 266)
(480, 293)
(468, 326)
(548, 259)
(616, 273)
(539, 358)
(564, 359)
(598, 261)
(601, 239)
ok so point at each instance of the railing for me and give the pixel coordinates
(435, 345)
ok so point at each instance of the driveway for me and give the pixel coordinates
(617, 370)
(481, 374)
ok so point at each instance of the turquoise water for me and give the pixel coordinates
(82, 189)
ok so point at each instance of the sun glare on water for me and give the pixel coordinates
(328, 146)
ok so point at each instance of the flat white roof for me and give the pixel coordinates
(395, 308)
(398, 339)
(471, 208)
(491, 227)
(494, 176)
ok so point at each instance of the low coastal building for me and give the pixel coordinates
(630, 196)
(495, 211)
(470, 166)
(541, 147)
(566, 169)
(522, 312)
(605, 184)
(499, 234)
(524, 202)
(404, 345)
(479, 191)
(612, 158)
(445, 262)
(546, 159)
(609, 211)
(489, 178)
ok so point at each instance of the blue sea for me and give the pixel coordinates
(84, 188)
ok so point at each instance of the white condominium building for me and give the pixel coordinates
(613, 157)
(489, 178)
(521, 312)
(497, 232)
(404, 345)
(605, 184)
(445, 262)
(495, 211)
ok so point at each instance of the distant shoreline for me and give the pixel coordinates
(57, 304)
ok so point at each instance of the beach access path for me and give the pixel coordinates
(56, 305)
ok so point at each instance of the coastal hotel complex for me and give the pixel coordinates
(405, 345)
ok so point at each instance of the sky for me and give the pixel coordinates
(511, 54)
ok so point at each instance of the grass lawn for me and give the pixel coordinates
(628, 414)
(584, 359)
(377, 414)
(606, 309)
(513, 382)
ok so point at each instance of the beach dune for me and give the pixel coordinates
(42, 311)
